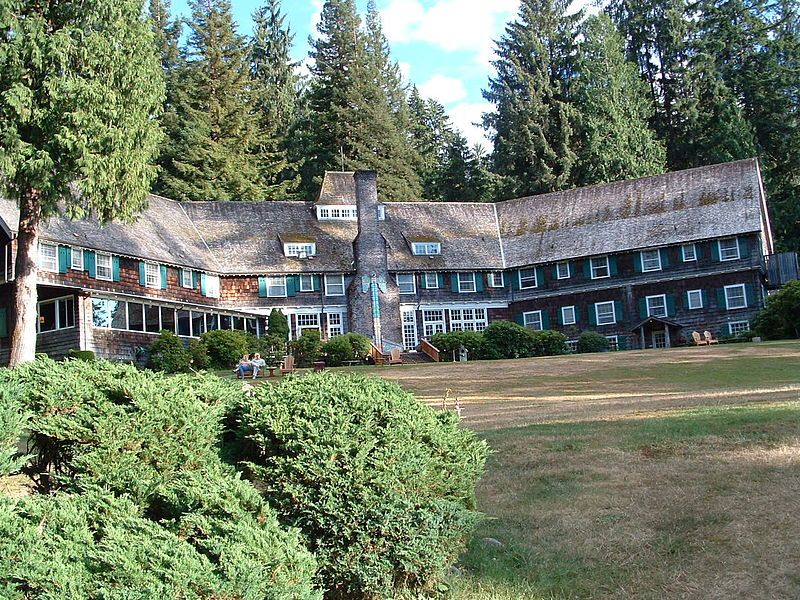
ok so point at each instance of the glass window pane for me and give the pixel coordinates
(47, 316)
(101, 314)
(184, 320)
(198, 323)
(168, 319)
(212, 322)
(225, 321)
(135, 317)
(238, 323)
(66, 313)
(118, 314)
(151, 318)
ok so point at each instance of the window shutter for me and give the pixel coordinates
(454, 282)
(721, 298)
(180, 277)
(115, 268)
(163, 277)
(744, 248)
(90, 263)
(612, 265)
(545, 319)
(515, 280)
(671, 305)
(316, 283)
(539, 277)
(592, 314)
(440, 279)
(577, 316)
(64, 258)
(698, 251)
(587, 269)
(560, 316)
(715, 250)
(142, 277)
(292, 285)
(642, 308)
(749, 295)
(479, 287)
(203, 284)
(195, 275)
(555, 272)
(618, 312)
(520, 319)
(622, 342)
(637, 262)
(704, 296)
(664, 258)
(3, 322)
(262, 287)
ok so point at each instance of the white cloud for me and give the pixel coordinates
(444, 89)
(316, 13)
(465, 115)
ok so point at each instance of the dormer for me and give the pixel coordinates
(425, 247)
(337, 197)
(298, 246)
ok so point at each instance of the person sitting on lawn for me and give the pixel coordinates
(243, 366)
(257, 364)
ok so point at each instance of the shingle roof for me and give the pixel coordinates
(338, 187)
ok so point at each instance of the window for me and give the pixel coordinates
(276, 287)
(152, 319)
(334, 285)
(337, 213)
(76, 259)
(694, 299)
(406, 282)
(56, 314)
(168, 319)
(605, 313)
(335, 324)
(409, 319)
(187, 278)
(688, 252)
(496, 279)
(562, 270)
(735, 296)
(657, 306)
(466, 282)
(738, 327)
(306, 283)
(527, 279)
(301, 250)
(198, 323)
(431, 281)
(432, 322)
(212, 322)
(103, 264)
(212, 286)
(728, 249)
(307, 321)
(184, 323)
(568, 315)
(572, 345)
(381, 212)
(599, 267)
(467, 319)
(613, 342)
(426, 248)
(651, 260)
(152, 275)
(48, 257)
(135, 316)
(533, 320)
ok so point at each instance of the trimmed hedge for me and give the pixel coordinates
(380, 484)
(168, 354)
(591, 341)
(342, 348)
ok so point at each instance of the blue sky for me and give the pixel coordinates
(443, 46)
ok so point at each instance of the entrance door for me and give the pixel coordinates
(410, 329)
(659, 339)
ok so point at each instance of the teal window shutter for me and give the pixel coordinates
(618, 312)
(316, 283)
(142, 276)
(704, 296)
(642, 308)
(715, 250)
(514, 280)
(637, 262)
(440, 278)
(721, 298)
(115, 268)
(203, 284)
(555, 272)
(698, 251)
(3, 322)
(64, 258)
(90, 263)
(560, 316)
(540, 277)
(577, 316)
(292, 285)
(479, 287)
(664, 258)
(622, 342)
(587, 269)
(592, 315)
(262, 287)
(180, 277)
(194, 279)
(671, 311)
(163, 277)
(546, 319)
(744, 248)
(454, 282)
(612, 265)
(749, 295)
(520, 319)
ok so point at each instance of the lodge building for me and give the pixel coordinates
(644, 262)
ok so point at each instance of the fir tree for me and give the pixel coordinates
(431, 132)
(532, 123)
(212, 147)
(613, 110)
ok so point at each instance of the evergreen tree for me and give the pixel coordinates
(275, 100)
(431, 132)
(212, 150)
(532, 123)
(77, 123)
(612, 106)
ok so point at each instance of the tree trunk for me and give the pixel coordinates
(23, 313)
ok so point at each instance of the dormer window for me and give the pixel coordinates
(300, 250)
(337, 213)
(426, 248)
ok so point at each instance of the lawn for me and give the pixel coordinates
(655, 474)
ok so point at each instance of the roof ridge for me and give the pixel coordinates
(200, 235)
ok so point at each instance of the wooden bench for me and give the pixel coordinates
(288, 365)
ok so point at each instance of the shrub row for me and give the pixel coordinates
(501, 339)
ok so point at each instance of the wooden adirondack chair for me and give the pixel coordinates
(698, 339)
(395, 358)
(709, 338)
(288, 365)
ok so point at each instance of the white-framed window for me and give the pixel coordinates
(335, 324)
(562, 270)
(409, 320)
(407, 283)
(381, 212)
(334, 285)
(431, 281)
(605, 314)
(58, 313)
(689, 252)
(613, 342)
(48, 257)
(466, 282)
(694, 299)
(276, 287)
(152, 275)
(212, 286)
(76, 259)
(599, 268)
(467, 319)
(651, 260)
(533, 319)
(657, 305)
(187, 278)
(306, 283)
(426, 248)
(527, 279)
(337, 213)
(572, 345)
(300, 249)
(496, 279)
(728, 249)
(568, 315)
(307, 321)
(735, 296)
(738, 327)
(432, 322)
(103, 264)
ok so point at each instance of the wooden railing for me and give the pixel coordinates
(427, 348)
